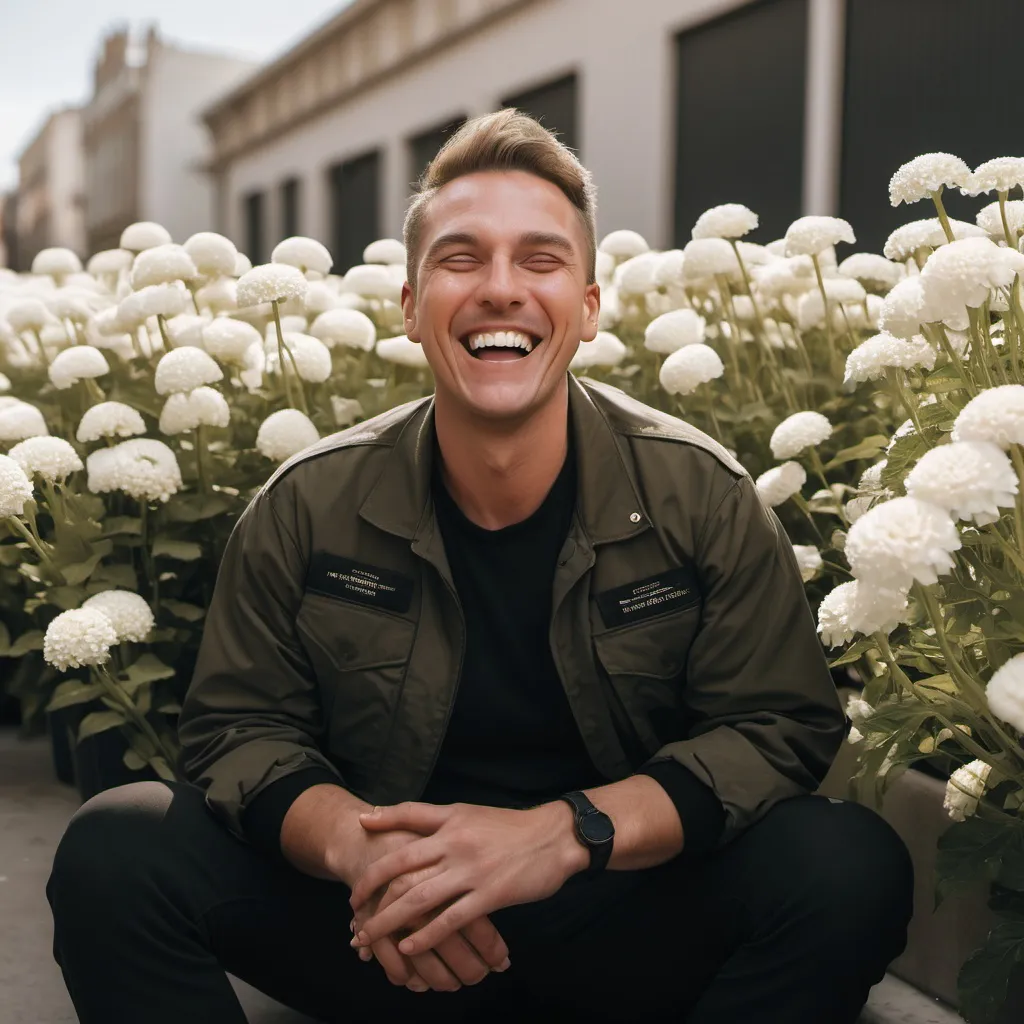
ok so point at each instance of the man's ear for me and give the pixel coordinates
(591, 312)
(409, 312)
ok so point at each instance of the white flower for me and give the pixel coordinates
(219, 296)
(183, 369)
(808, 236)
(52, 458)
(285, 432)
(370, 280)
(21, 420)
(15, 488)
(162, 264)
(903, 309)
(109, 261)
(995, 415)
(227, 339)
(990, 219)
(213, 254)
(998, 175)
(926, 174)
(731, 220)
(402, 351)
(785, 277)
(242, 265)
(164, 300)
(144, 234)
(859, 607)
(385, 250)
(144, 468)
(203, 407)
(799, 432)
(669, 274)
(808, 558)
(900, 541)
(75, 304)
(271, 282)
(780, 483)
(5, 382)
(964, 790)
(29, 314)
(870, 268)
(708, 257)
(871, 478)
(687, 368)
(75, 364)
(636, 276)
(346, 410)
(674, 330)
(346, 327)
(968, 479)
(80, 637)
(604, 350)
(929, 233)
(312, 357)
(303, 254)
(854, 735)
(623, 244)
(1005, 692)
(109, 419)
(320, 297)
(858, 709)
(871, 358)
(129, 613)
(56, 262)
(186, 329)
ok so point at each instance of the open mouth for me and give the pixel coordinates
(499, 346)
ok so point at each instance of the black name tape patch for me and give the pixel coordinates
(668, 591)
(355, 581)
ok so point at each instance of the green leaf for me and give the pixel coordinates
(120, 574)
(79, 572)
(97, 722)
(985, 976)
(133, 760)
(945, 378)
(163, 769)
(122, 524)
(71, 692)
(943, 682)
(30, 641)
(193, 507)
(171, 708)
(970, 851)
(869, 448)
(183, 550)
(148, 669)
(144, 698)
(184, 610)
(853, 653)
(5, 641)
(65, 598)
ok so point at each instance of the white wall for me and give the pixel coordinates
(174, 190)
(623, 56)
(66, 180)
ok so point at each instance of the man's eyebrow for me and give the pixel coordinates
(451, 238)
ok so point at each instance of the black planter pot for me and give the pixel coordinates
(99, 761)
(62, 725)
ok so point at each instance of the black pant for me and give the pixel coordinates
(792, 923)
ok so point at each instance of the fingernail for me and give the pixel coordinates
(504, 965)
(365, 954)
(418, 986)
(352, 926)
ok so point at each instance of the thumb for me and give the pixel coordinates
(416, 817)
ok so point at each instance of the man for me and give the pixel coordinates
(553, 638)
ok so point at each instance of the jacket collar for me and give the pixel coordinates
(608, 499)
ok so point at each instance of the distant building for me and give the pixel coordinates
(8, 230)
(50, 186)
(145, 145)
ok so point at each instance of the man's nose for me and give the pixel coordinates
(500, 286)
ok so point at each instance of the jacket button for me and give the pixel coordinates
(635, 517)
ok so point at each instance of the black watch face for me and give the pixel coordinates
(597, 828)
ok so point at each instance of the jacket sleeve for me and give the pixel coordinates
(252, 715)
(768, 719)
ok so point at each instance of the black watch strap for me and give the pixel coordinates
(594, 829)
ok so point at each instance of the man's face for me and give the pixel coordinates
(502, 258)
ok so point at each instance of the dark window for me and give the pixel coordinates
(355, 220)
(917, 83)
(424, 147)
(740, 116)
(254, 239)
(554, 105)
(291, 191)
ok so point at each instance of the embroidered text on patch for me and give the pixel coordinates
(355, 581)
(668, 591)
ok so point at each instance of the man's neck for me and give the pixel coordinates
(499, 476)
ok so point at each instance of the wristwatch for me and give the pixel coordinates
(594, 829)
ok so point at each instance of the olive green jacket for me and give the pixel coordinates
(679, 624)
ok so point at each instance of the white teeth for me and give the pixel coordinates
(501, 339)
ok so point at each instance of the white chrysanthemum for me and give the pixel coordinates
(5, 383)
(109, 419)
(242, 265)
(604, 350)
(708, 257)
(808, 559)
(1005, 692)
(109, 261)
(285, 432)
(990, 218)
(203, 407)
(164, 300)
(312, 358)
(346, 410)
(56, 262)
(810, 309)
(370, 280)
(162, 264)
(75, 304)
(780, 483)
(785, 277)
(271, 282)
(799, 432)
(144, 468)
(21, 420)
(144, 234)
(346, 327)
(871, 269)
(668, 275)
(227, 339)
(929, 233)
(808, 236)
(859, 607)
(687, 368)
(995, 415)
(968, 479)
(186, 329)
(964, 790)
(871, 479)
(213, 254)
(77, 363)
(858, 709)
(900, 541)
(29, 314)
(129, 613)
(623, 244)
(902, 309)
(402, 351)
(320, 297)
(303, 254)
(636, 276)
(604, 267)
(15, 488)
(674, 330)
(77, 638)
(925, 174)
(1000, 174)
(871, 358)
(184, 369)
(385, 250)
(52, 458)
(219, 296)
(730, 220)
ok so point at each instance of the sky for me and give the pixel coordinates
(48, 48)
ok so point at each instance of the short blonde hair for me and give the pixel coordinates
(507, 140)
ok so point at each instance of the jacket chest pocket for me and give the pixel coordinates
(360, 656)
(646, 665)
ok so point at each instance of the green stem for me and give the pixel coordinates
(801, 503)
(1011, 236)
(42, 351)
(819, 471)
(1006, 547)
(161, 321)
(895, 377)
(200, 442)
(282, 351)
(833, 352)
(136, 717)
(943, 219)
(954, 360)
(36, 545)
(1018, 505)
